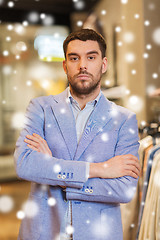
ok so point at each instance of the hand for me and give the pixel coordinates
(37, 143)
(118, 166)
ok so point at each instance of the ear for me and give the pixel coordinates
(104, 65)
(64, 66)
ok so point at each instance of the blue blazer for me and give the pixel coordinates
(111, 130)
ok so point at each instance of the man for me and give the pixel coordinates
(79, 150)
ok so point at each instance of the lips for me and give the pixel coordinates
(83, 76)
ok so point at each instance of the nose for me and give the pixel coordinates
(82, 64)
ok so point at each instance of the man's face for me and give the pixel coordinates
(84, 66)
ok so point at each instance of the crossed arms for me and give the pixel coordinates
(118, 166)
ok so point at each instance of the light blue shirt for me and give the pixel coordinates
(81, 118)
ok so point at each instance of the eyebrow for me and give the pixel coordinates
(76, 54)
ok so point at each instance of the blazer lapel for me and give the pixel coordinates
(65, 119)
(100, 116)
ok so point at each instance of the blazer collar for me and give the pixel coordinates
(64, 115)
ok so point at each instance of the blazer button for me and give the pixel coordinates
(59, 176)
(63, 176)
(91, 190)
(87, 190)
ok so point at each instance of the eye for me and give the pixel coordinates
(91, 57)
(73, 59)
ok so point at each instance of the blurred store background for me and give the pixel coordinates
(31, 38)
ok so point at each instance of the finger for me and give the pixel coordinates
(38, 136)
(37, 141)
(33, 143)
(33, 138)
(130, 156)
(133, 169)
(134, 162)
(32, 147)
(43, 143)
(132, 174)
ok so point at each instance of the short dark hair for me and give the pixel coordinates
(84, 35)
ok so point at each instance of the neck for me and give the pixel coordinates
(83, 99)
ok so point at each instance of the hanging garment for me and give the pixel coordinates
(130, 211)
(150, 225)
(151, 155)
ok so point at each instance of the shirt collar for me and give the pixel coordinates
(93, 102)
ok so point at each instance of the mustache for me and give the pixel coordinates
(83, 72)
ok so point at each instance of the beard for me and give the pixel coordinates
(82, 86)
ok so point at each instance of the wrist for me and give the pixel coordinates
(96, 170)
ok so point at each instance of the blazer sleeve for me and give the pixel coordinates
(116, 190)
(37, 167)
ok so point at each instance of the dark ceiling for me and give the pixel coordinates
(60, 9)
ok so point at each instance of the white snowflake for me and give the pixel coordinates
(88, 221)
(156, 36)
(79, 23)
(132, 225)
(69, 229)
(104, 137)
(130, 192)
(48, 20)
(7, 70)
(137, 16)
(25, 23)
(30, 208)
(124, 1)
(51, 201)
(10, 4)
(6, 203)
(143, 123)
(128, 37)
(157, 179)
(29, 83)
(90, 158)
(114, 113)
(149, 46)
(118, 29)
(17, 57)
(20, 214)
(33, 17)
(142, 203)
(119, 43)
(18, 120)
(101, 227)
(103, 12)
(155, 75)
(135, 103)
(63, 110)
(147, 23)
(56, 168)
(150, 89)
(133, 71)
(132, 131)
(8, 38)
(79, 5)
(10, 27)
(153, 213)
(130, 57)
(145, 55)
(5, 53)
(42, 15)
(145, 183)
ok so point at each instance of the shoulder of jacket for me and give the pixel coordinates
(123, 111)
